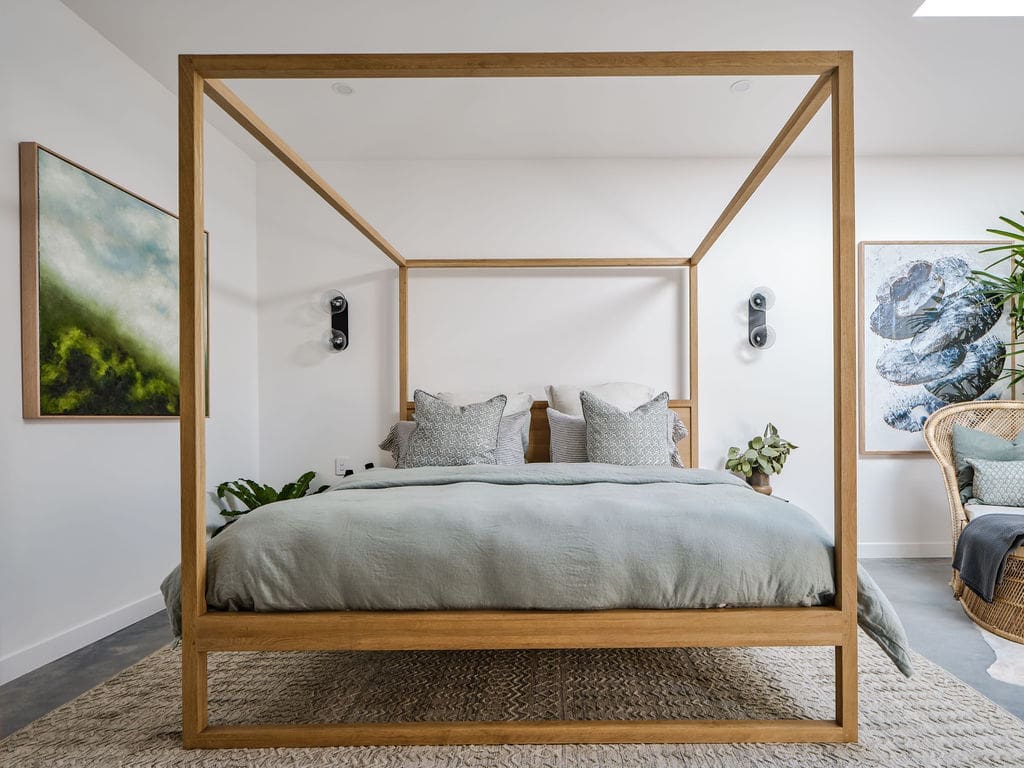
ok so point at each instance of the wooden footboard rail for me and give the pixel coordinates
(496, 630)
(204, 632)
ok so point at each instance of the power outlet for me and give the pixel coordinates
(340, 465)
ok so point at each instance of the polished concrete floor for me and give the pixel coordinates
(33, 695)
(937, 628)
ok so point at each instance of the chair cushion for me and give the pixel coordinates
(975, 444)
(975, 508)
(998, 482)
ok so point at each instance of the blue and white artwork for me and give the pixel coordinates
(930, 337)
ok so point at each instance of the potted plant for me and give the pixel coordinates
(1008, 291)
(764, 455)
(253, 495)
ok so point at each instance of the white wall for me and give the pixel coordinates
(472, 329)
(89, 521)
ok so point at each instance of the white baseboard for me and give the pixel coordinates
(18, 663)
(867, 550)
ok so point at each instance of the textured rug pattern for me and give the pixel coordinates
(134, 719)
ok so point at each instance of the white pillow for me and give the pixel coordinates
(975, 508)
(515, 401)
(625, 396)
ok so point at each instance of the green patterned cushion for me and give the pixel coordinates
(453, 435)
(998, 482)
(975, 444)
(631, 438)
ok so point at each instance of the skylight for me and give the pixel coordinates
(971, 8)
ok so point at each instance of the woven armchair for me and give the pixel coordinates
(1004, 616)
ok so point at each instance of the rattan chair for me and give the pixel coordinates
(1004, 616)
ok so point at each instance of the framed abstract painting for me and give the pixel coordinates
(99, 295)
(929, 337)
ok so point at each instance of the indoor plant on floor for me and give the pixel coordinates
(764, 455)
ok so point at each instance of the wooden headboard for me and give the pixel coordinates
(540, 434)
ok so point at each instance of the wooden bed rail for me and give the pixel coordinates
(497, 630)
(204, 632)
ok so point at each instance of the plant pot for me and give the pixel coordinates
(759, 482)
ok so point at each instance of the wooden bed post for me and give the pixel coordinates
(693, 338)
(845, 362)
(192, 399)
(403, 342)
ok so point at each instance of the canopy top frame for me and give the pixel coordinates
(203, 74)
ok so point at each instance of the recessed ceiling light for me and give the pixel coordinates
(971, 8)
(740, 86)
(342, 89)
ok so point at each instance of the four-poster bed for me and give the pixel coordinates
(203, 631)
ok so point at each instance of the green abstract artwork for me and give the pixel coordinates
(108, 297)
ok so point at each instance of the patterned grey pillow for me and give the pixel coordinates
(453, 435)
(511, 446)
(630, 438)
(998, 482)
(569, 437)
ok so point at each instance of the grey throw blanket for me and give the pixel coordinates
(537, 536)
(982, 550)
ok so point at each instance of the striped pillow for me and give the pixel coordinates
(568, 437)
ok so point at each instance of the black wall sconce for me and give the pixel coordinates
(759, 333)
(338, 305)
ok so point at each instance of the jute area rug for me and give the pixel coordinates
(134, 719)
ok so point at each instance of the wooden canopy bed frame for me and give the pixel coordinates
(203, 631)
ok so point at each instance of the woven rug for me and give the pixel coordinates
(134, 719)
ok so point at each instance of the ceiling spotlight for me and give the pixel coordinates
(740, 86)
(342, 89)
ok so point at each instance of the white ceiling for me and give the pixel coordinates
(923, 86)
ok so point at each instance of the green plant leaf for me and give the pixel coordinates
(1013, 223)
(1004, 233)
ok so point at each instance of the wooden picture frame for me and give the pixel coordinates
(903, 250)
(100, 335)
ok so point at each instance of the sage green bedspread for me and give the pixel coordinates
(543, 536)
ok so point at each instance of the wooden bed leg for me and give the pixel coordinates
(192, 419)
(846, 689)
(194, 688)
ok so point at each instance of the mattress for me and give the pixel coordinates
(536, 536)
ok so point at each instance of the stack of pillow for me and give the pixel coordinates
(989, 471)
(617, 423)
(458, 428)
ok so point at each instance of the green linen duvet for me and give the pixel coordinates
(535, 536)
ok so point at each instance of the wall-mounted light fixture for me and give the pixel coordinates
(338, 305)
(759, 333)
